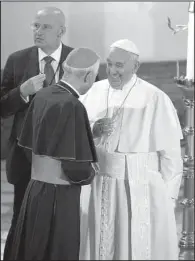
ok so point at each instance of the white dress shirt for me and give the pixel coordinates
(56, 55)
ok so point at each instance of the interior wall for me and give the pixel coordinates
(98, 24)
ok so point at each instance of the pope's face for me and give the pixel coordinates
(120, 67)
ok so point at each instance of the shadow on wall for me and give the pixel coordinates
(160, 74)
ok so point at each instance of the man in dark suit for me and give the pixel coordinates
(25, 73)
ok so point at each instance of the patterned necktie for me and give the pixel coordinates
(48, 71)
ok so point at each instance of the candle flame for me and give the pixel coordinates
(177, 69)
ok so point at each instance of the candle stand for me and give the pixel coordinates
(186, 243)
(186, 84)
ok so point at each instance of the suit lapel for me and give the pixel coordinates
(64, 54)
(32, 67)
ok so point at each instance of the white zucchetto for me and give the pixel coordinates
(126, 45)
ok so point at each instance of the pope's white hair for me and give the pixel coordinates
(134, 56)
(80, 72)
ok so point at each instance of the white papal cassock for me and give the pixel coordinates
(128, 212)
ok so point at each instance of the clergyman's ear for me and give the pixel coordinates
(87, 77)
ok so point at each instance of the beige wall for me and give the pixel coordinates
(98, 24)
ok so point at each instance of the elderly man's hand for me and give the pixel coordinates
(32, 85)
(174, 201)
(95, 166)
(103, 126)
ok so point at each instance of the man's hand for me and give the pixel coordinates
(102, 126)
(32, 85)
(174, 202)
(95, 166)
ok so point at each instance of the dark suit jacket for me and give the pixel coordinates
(20, 66)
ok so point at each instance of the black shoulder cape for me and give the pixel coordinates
(57, 125)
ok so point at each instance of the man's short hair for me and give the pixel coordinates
(80, 61)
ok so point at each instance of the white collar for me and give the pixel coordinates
(55, 55)
(127, 86)
(130, 83)
(71, 87)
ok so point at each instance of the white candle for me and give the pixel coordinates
(190, 48)
(177, 69)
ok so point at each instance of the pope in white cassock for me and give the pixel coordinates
(127, 213)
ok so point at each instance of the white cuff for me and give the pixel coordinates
(26, 99)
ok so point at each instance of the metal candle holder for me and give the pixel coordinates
(186, 242)
(186, 84)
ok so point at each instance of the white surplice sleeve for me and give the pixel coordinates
(168, 133)
(171, 168)
(165, 131)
